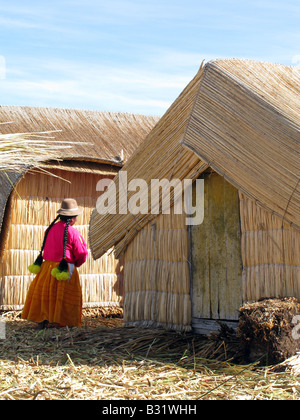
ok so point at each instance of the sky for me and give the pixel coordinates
(132, 56)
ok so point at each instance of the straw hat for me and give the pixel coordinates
(69, 207)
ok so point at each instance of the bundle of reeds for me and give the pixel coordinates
(19, 150)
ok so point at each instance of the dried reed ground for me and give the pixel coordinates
(102, 360)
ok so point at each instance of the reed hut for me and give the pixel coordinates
(237, 126)
(29, 198)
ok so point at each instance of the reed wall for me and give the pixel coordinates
(34, 204)
(264, 261)
(270, 253)
(156, 275)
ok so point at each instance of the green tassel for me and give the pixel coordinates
(63, 265)
(63, 276)
(54, 271)
(35, 268)
(61, 272)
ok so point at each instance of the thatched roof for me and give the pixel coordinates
(101, 136)
(246, 124)
(240, 117)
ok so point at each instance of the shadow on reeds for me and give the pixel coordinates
(105, 341)
(104, 360)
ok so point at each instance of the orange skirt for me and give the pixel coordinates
(52, 300)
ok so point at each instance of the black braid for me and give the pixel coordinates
(63, 265)
(68, 221)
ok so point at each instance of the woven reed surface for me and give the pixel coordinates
(246, 123)
(156, 275)
(95, 136)
(270, 253)
(33, 207)
(102, 135)
(241, 118)
(160, 156)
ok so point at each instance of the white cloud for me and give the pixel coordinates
(63, 83)
(131, 55)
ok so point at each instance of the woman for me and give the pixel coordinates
(55, 296)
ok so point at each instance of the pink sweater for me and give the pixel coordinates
(76, 251)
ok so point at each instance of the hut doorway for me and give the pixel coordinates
(216, 286)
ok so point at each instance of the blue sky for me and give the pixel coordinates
(132, 55)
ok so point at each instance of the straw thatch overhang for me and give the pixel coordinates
(101, 167)
(100, 140)
(159, 156)
(30, 197)
(239, 117)
(95, 136)
(246, 124)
